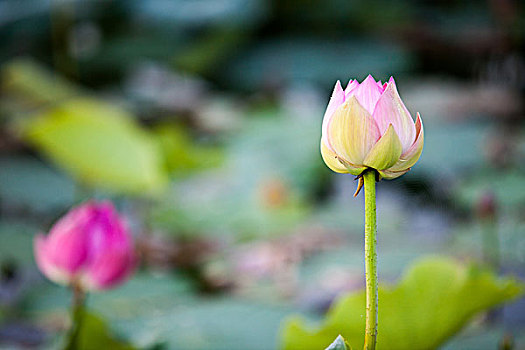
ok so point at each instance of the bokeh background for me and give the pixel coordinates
(201, 120)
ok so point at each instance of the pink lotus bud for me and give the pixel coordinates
(90, 246)
(368, 126)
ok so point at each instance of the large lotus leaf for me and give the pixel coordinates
(26, 182)
(435, 299)
(100, 145)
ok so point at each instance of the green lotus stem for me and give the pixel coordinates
(369, 178)
(491, 253)
(77, 315)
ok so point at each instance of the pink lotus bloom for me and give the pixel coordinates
(90, 246)
(368, 126)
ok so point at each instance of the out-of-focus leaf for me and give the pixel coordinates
(207, 324)
(262, 189)
(95, 334)
(436, 298)
(142, 294)
(163, 309)
(181, 154)
(16, 242)
(201, 211)
(27, 183)
(32, 83)
(100, 145)
(275, 145)
(339, 344)
(441, 147)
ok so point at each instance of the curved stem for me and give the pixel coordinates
(370, 259)
(77, 314)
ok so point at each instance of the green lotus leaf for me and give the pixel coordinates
(434, 300)
(100, 145)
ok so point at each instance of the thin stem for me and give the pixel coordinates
(77, 315)
(491, 257)
(491, 254)
(370, 259)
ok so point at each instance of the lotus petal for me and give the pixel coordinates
(352, 132)
(391, 110)
(385, 152)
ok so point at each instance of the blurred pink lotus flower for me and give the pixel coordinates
(368, 126)
(90, 248)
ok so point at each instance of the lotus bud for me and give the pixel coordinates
(89, 248)
(367, 126)
(486, 206)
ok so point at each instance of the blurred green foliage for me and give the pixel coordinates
(164, 309)
(268, 174)
(31, 184)
(16, 244)
(27, 82)
(181, 154)
(94, 334)
(100, 145)
(435, 299)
